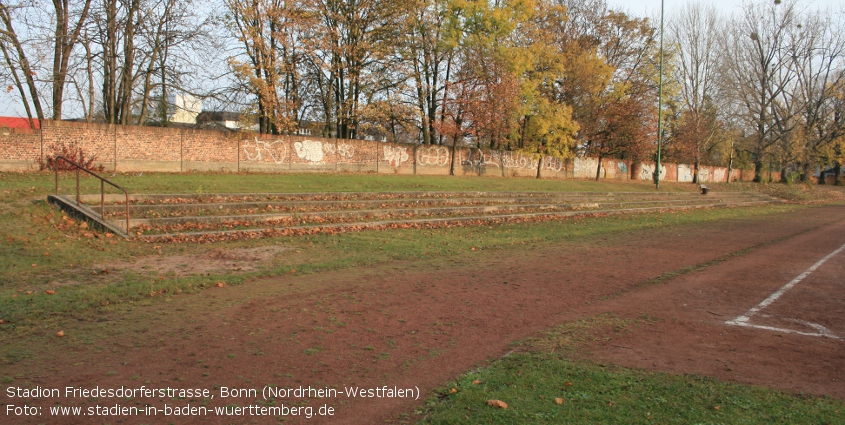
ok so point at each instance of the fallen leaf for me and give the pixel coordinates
(28, 292)
(49, 292)
(717, 407)
(60, 334)
(610, 404)
(83, 225)
(497, 403)
(568, 384)
(558, 400)
(476, 382)
(220, 284)
(34, 265)
(453, 391)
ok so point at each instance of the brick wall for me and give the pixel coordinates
(20, 149)
(134, 148)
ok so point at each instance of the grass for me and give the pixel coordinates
(541, 385)
(595, 394)
(43, 251)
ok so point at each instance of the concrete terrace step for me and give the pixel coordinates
(166, 216)
(235, 202)
(259, 219)
(241, 208)
(421, 223)
(192, 198)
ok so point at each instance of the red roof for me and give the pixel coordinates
(16, 122)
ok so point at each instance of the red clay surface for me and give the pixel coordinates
(421, 324)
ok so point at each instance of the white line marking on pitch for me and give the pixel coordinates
(743, 320)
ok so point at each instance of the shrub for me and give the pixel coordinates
(73, 152)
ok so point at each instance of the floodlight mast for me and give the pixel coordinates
(659, 104)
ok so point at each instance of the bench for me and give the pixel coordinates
(704, 189)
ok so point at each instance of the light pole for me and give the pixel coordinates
(659, 104)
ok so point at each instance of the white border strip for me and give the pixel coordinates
(824, 332)
(743, 320)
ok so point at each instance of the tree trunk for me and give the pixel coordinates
(454, 150)
(731, 161)
(23, 63)
(758, 171)
(539, 166)
(836, 170)
(64, 40)
(696, 166)
(445, 93)
(598, 169)
(805, 172)
(19, 85)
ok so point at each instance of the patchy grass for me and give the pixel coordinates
(795, 192)
(17, 186)
(43, 250)
(542, 386)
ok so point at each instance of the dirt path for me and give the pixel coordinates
(691, 336)
(417, 325)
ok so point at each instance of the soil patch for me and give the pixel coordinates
(215, 260)
(420, 324)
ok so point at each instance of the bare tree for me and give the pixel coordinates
(15, 56)
(818, 50)
(65, 36)
(692, 32)
(426, 47)
(757, 73)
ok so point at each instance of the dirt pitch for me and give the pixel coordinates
(420, 324)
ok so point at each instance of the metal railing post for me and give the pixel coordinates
(103, 182)
(127, 213)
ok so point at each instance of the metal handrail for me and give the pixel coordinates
(103, 180)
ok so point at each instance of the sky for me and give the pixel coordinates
(10, 104)
(651, 8)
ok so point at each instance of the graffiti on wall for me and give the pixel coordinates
(610, 172)
(433, 156)
(684, 173)
(552, 163)
(513, 160)
(720, 174)
(309, 150)
(647, 172)
(344, 151)
(480, 158)
(703, 174)
(518, 160)
(395, 155)
(623, 168)
(585, 168)
(259, 150)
